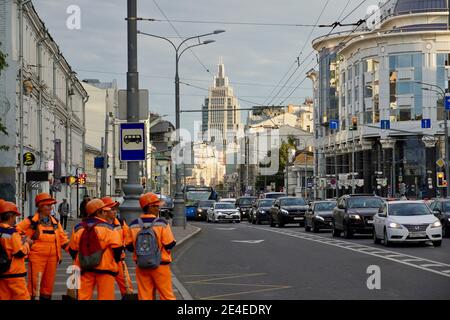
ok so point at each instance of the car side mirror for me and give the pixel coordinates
(382, 214)
(436, 212)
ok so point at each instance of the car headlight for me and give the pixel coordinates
(320, 218)
(354, 216)
(262, 211)
(284, 211)
(437, 224)
(448, 219)
(200, 210)
(394, 225)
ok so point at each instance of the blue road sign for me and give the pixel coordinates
(334, 124)
(447, 102)
(426, 123)
(99, 162)
(385, 124)
(132, 141)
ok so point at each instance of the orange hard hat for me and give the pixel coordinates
(94, 205)
(149, 199)
(109, 202)
(6, 206)
(44, 198)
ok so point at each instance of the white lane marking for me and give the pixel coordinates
(226, 229)
(430, 265)
(384, 254)
(411, 260)
(247, 241)
(446, 271)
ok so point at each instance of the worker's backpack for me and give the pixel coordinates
(5, 262)
(90, 251)
(147, 250)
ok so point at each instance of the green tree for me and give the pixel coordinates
(3, 130)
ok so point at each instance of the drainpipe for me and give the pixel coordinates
(39, 66)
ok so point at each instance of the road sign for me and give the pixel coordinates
(334, 124)
(132, 141)
(99, 162)
(28, 159)
(440, 162)
(385, 124)
(426, 123)
(447, 102)
(143, 104)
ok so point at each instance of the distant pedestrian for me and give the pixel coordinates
(63, 210)
(83, 213)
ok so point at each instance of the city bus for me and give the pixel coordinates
(194, 194)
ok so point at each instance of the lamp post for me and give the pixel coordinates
(179, 212)
(441, 91)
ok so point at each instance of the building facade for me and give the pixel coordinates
(386, 77)
(48, 115)
(92, 174)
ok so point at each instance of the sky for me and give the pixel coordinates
(256, 57)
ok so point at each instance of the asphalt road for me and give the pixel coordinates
(293, 264)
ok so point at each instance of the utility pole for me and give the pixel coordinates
(447, 166)
(353, 162)
(105, 156)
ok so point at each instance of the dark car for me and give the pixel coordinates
(354, 214)
(320, 216)
(244, 205)
(274, 195)
(441, 209)
(287, 210)
(260, 211)
(166, 209)
(202, 209)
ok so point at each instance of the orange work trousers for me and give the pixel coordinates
(91, 280)
(14, 289)
(46, 265)
(159, 279)
(120, 279)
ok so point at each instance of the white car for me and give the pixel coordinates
(406, 221)
(223, 211)
(229, 200)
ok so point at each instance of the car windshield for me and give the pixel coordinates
(206, 204)
(408, 209)
(324, 206)
(446, 206)
(246, 201)
(224, 206)
(293, 202)
(266, 203)
(274, 195)
(364, 202)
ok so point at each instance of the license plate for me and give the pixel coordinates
(369, 221)
(417, 234)
(298, 218)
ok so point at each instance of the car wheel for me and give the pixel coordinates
(258, 221)
(386, 241)
(375, 238)
(315, 227)
(437, 243)
(335, 232)
(347, 233)
(445, 231)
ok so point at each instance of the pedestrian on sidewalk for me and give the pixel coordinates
(48, 239)
(63, 210)
(96, 249)
(152, 231)
(14, 248)
(120, 226)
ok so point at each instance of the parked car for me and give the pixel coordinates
(202, 209)
(229, 200)
(320, 216)
(441, 209)
(244, 205)
(287, 210)
(406, 221)
(223, 211)
(274, 195)
(260, 211)
(354, 214)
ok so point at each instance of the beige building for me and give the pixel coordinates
(92, 179)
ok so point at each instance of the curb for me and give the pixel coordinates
(181, 289)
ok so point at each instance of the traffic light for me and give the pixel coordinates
(354, 125)
(440, 180)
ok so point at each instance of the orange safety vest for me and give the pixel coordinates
(11, 241)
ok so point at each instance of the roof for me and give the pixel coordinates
(405, 201)
(417, 6)
(162, 127)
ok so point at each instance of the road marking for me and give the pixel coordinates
(242, 292)
(247, 241)
(229, 277)
(226, 229)
(380, 253)
(446, 271)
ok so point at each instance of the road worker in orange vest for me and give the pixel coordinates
(48, 238)
(121, 227)
(96, 249)
(14, 248)
(160, 277)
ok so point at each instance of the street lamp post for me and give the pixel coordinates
(179, 208)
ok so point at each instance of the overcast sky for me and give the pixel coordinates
(255, 57)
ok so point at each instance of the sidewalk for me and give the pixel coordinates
(181, 235)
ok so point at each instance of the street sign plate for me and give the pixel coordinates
(426, 123)
(28, 159)
(385, 124)
(334, 124)
(132, 141)
(447, 102)
(440, 162)
(143, 104)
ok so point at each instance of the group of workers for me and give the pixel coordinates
(97, 247)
